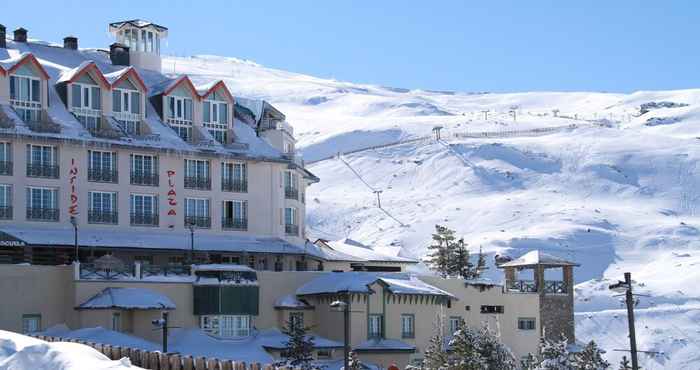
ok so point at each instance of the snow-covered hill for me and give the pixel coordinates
(610, 185)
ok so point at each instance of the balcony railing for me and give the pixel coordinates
(234, 223)
(6, 168)
(103, 175)
(42, 214)
(145, 179)
(144, 219)
(291, 229)
(5, 213)
(291, 193)
(238, 186)
(103, 217)
(197, 183)
(165, 270)
(555, 287)
(523, 286)
(201, 222)
(91, 271)
(49, 171)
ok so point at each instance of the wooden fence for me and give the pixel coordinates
(154, 360)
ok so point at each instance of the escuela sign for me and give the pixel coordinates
(7, 240)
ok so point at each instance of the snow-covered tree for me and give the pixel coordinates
(459, 264)
(354, 361)
(441, 251)
(554, 355)
(591, 358)
(495, 353)
(298, 352)
(435, 356)
(479, 350)
(480, 264)
(625, 364)
(530, 362)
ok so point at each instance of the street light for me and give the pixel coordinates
(74, 222)
(345, 307)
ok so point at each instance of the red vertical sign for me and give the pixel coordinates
(172, 199)
(73, 177)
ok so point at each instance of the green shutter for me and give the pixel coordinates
(206, 300)
(240, 300)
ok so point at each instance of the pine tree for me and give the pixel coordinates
(554, 355)
(441, 251)
(480, 264)
(354, 361)
(591, 358)
(298, 352)
(496, 355)
(530, 362)
(625, 364)
(479, 350)
(459, 263)
(435, 356)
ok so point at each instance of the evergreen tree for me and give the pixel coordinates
(625, 364)
(480, 264)
(479, 350)
(530, 362)
(441, 251)
(298, 352)
(554, 355)
(435, 356)
(459, 263)
(496, 355)
(354, 361)
(591, 358)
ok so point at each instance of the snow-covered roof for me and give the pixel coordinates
(128, 299)
(72, 75)
(357, 251)
(114, 77)
(101, 335)
(14, 61)
(275, 339)
(166, 86)
(359, 282)
(205, 89)
(150, 239)
(384, 345)
(291, 302)
(221, 267)
(140, 23)
(537, 257)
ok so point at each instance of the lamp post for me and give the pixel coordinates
(74, 222)
(191, 227)
(345, 307)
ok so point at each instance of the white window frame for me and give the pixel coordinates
(19, 88)
(292, 212)
(5, 151)
(454, 324)
(226, 326)
(100, 164)
(98, 197)
(51, 200)
(291, 180)
(5, 195)
(193, 168)
(125, 115)
(374, 326)
(31, 323)
(408, 325)
(197, 207)
(52, 156)
(142, 211)
(134, 161)
(526, 321)
(116, 321)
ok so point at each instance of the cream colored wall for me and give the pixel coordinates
(265, 194)
(274, 285)
(45, 290)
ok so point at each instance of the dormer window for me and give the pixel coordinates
(215, 118)
(25, 97)
(179, 116)
(86, 105)
(126, 109)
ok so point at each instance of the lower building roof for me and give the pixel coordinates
(128, 299)
(384, 345)
(359, 282)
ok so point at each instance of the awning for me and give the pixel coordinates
(128, 299)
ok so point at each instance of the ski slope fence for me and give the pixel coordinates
(155, 360)
(394, 143)
(516, 133)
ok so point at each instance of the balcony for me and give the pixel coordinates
(5, 213)
(102, 175)
(197, 183)
(234, 223)
(291, 193)
(94, 271)
(236, 186)
(555, 287)
(144, 179)
(144, 219)
(290, 229)
(523, 286)
(199, 222)
(103, 217)
(6, 168)
(165, 270)
(49, 171)
(42, 214)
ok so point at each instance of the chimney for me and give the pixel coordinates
(3, 31)
(119, 54)
(70, 42)
(20, 35)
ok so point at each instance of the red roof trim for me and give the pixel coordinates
(179, 81)
(30, 58)
(219, 84)
(137, 77)
(99, 74)
(2, 71)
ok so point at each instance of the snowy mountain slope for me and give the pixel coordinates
(618, 198)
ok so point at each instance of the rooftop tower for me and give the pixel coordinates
(143, 39)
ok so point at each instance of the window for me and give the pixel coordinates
(179, 116)
(176, 260)
(197, 174)
(197, 212)
(116, 321)
(31, 323)
(279, 263)
(144, 260)
(526, 323)
(126, 109)
(455, 323)
(290, 221)
(234, 177)
(296, 320)
(215, 118)
(144, 210)
(374, 329)
(5, 202)
(102, 166)
(144, 170)
(42, 204)
(6, 159)
(408, 326)
(235, 215)
(226, 326)
(323, 354)
(102, 207)
(42, 161)
(291, 185)
(86, 105)
(491, 309)
(25, 97)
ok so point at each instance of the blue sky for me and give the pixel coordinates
(443, 45)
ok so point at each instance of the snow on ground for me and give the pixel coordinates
(19, 352)
(614, 199)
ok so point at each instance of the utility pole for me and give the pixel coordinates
(346, 345)
(162, 325)
(486, 114)
(629, 300)
(379, 201)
